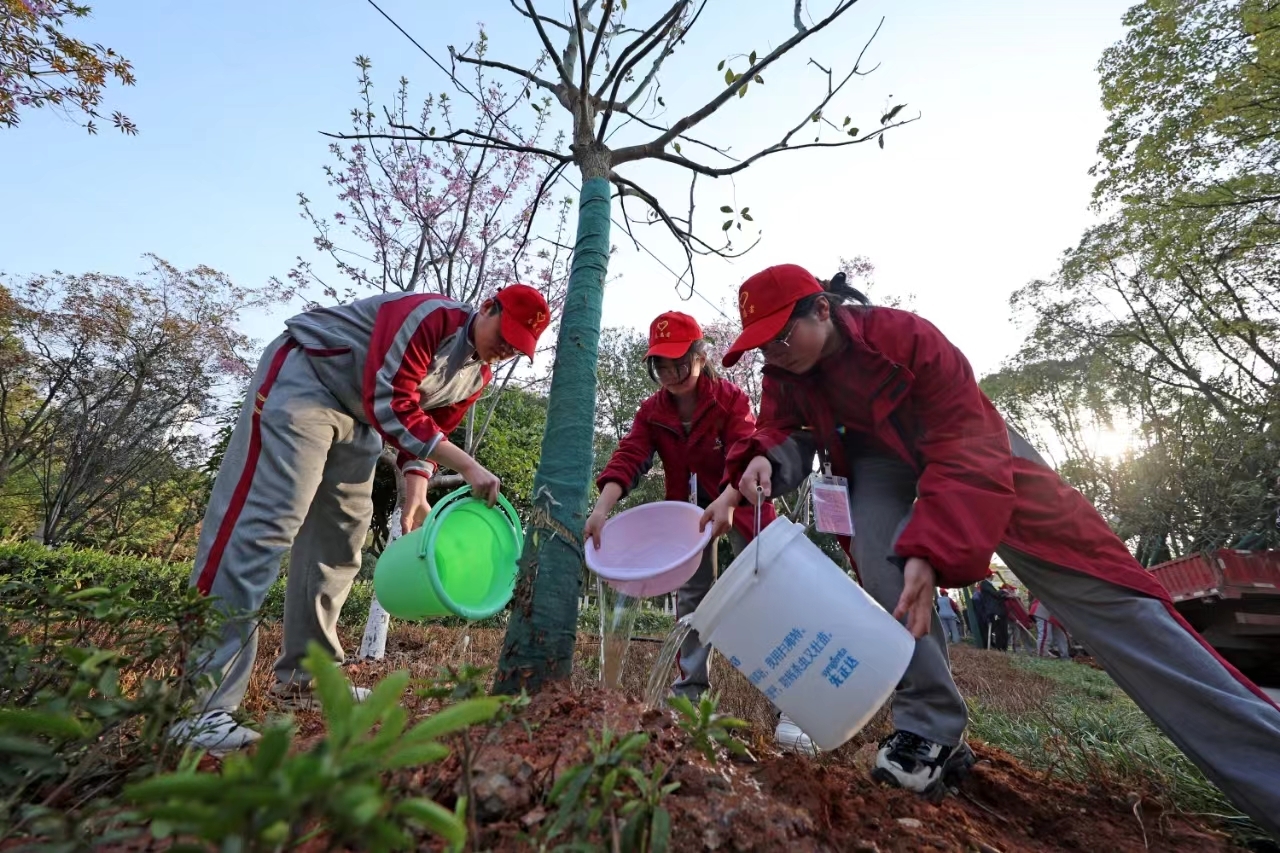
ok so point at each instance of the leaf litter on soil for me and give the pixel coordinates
(778, 802)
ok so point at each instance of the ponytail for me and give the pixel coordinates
(703, 348)
(837, 292)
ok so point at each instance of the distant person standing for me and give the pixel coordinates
(1050, 634)
(949, 616)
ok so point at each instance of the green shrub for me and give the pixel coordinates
(91, 677)
(279, 798)
(647, 621)
(154, 581)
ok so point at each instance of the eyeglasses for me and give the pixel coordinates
(672, 368)
(782, 341)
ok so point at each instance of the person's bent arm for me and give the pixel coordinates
(484, 484)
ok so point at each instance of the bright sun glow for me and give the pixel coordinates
(1112, 443)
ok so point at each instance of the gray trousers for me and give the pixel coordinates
(1051, 637)
(1227, 730)
(926, 702)
(297, 477)
(695, 658)
(951, 629)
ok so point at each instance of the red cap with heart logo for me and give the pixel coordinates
(671, 335)
(765, 301)
(525, 316)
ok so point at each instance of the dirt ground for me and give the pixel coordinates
(777, 802)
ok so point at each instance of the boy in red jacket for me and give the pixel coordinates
(938, 483)
(297, 475)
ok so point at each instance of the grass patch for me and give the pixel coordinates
(1087, 730)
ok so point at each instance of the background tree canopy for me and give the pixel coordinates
(1150, 368)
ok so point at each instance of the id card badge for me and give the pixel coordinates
(830, 497)
(693, 488)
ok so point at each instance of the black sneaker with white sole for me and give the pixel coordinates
(918, 764)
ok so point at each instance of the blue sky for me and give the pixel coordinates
(961, 208)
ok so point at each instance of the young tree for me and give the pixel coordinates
(605, 77)
(40, 65)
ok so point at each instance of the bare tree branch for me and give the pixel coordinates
(655, 35)
(690, 242)
(557, 90)
(575, 48)
(462, 136)
(651, 149)
(537, 201)
(800, 27)
(671, 37)
(543, 18)
(596, 42)
(547, 45)
(784, 144)
(623, 64)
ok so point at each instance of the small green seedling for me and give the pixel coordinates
(611, 797)
(707, 729)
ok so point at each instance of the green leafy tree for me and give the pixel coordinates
(1191, 93)
(42, 66)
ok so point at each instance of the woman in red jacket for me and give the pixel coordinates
(689, 423)
(937, 483)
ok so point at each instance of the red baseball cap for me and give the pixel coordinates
(765, 301)
(671, 334)
(525, 316)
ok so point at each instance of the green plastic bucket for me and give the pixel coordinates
(461, 561)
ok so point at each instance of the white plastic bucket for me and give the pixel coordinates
(805, 634)
(651, 549)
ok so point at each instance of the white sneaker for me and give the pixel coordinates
(214, 731)
(299, 695)
(790, 738)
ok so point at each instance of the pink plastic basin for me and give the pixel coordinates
(651, 549)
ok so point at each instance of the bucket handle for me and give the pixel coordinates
(440, 509)
(756, 539)
(429, 542)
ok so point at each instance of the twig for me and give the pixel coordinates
(552, 21)
(546, 43)
(481, 140)
(636, 152)
(784, 143)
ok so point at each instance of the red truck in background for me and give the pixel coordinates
(1233, 599)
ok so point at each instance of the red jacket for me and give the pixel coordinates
(898, 386)
(722, 418)
(404, 363)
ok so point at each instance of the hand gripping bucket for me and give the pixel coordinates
(461, 561)
(651, 549)
(805, 634)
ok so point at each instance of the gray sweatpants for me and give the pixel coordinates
(1231, 733)
(926, 702)
(695, 658)
(1051, 638)
(297, 476)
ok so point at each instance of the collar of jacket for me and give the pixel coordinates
(467, 346)
(857, 367)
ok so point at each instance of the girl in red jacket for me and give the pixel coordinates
(689, 423)
(938, 483)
